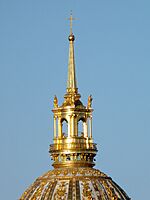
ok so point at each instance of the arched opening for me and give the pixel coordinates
(81, 127)
(64, 125)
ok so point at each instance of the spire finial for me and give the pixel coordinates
(71, 83)
(71, 19)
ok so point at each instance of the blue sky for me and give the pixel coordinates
(112, 49)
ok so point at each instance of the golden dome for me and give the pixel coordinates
(73, 152)
(74, 183)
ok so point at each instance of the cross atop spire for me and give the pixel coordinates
(71, 19)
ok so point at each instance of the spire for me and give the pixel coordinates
(71, 82)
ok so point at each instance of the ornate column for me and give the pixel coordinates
(85, 129)
(90, 124)
(75, 126)
(59, 128)
(69, 125)
(55, 130)
(72, 124)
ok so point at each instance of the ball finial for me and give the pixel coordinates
(71, 37)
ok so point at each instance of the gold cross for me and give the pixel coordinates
(71, 19)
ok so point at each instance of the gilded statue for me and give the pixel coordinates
(90, 101)
(55, 102)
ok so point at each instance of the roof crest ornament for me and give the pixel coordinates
(71, 20)
(71, 82)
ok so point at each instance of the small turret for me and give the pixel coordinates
(73, 142)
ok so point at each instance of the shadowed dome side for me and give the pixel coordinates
(74, 184)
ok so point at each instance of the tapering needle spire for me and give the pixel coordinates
(71, 83)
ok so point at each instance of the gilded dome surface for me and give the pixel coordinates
(74, 184)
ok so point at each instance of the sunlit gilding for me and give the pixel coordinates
(73, 151)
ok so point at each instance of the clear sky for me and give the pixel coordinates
(112, 52)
